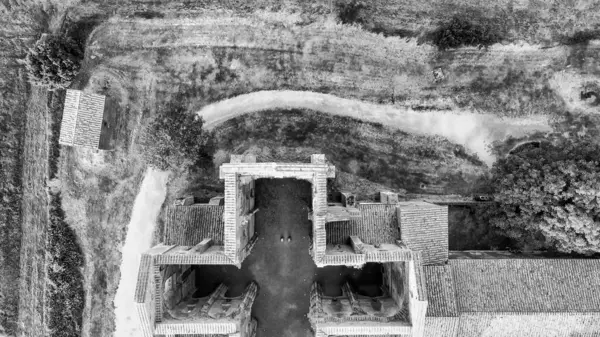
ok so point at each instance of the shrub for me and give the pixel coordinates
(54, 61)
(582, 37)
(552, 191)
(460, 31)
(65, 292)
(175, 139)
(350, 12)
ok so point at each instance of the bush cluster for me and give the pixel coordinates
(551, 192)
(65, 292)
(175, 139)
(11, 164)
(54, 61)
(460, 31)
(349, 12)
(581, 37)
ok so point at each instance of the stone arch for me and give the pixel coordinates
(534, 142)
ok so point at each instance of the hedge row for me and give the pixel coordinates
(65, 300)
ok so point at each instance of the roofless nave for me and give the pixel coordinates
(183, 282)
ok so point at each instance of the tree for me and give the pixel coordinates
(54, 61)
(552, 191)
(175, 139)
(460, 31)
(350, 12)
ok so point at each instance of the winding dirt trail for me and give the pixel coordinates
(474, 131)
(139, 236)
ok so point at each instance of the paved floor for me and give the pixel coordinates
(284, 270)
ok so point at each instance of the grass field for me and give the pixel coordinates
(218, 58)
(33, 259)
(18, 31)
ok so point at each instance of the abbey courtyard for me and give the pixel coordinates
(351, 268)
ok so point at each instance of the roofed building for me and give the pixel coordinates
(424, 289)
(513, 297)
(398, 311)
(82, 119)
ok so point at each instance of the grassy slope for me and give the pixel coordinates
(505, 80)
(97, 200)
(527, 20)
(98, 191)
(373, 152)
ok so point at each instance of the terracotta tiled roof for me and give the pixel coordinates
(368, 336)
(378, 224)
(527, 285)
(514, 324)
(196, 335)
(440, 291)
(188, 225)
(441, 326)
(424, 228)
(528, 324)
(82, 119)
(513, 285)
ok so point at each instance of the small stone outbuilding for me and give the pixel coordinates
(82, 119)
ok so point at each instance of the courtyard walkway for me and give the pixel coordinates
(284, 271)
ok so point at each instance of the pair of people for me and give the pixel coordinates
(289, 238)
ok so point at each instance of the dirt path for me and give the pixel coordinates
(474, 131)
(139, 235)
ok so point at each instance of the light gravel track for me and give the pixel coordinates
(472, 130)
(139, 236)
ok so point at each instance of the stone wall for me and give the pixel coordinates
(188, 255)
(424, 228)
(239, 175)
(417, 295)
(396, 282)
(230, 216)
(510, 324)
(145, 297)
(319, 200)
(245, 205)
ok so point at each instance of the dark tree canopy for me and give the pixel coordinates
(54, 61)
(175, 140)
(349, 12)
(552, 191)
(460, 31)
